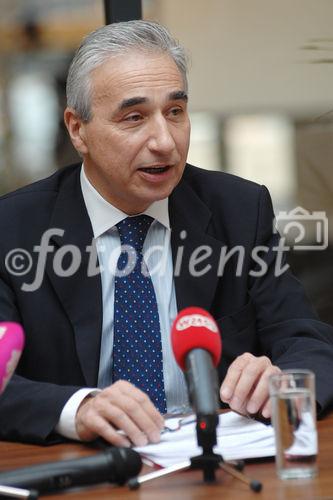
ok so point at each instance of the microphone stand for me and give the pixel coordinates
(208, 461)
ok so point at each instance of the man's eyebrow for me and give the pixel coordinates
(178, 95)
(133, 101)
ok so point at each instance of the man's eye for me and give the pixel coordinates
(176, 111)
(133, 118)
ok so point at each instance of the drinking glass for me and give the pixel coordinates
(292, 394)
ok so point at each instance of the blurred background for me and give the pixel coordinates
(261, 103)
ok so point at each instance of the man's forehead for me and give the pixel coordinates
(137, 60)
(133, 75)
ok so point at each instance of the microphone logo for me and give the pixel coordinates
(196, 320)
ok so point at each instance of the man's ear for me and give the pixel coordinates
(75, 127)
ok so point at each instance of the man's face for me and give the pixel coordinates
(135, 146)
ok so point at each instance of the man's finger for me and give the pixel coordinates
(143, 400)
(130, 417)
(233, 375)
(90, 424)
(139, 407)
(123, 408)
(267, 409)
(104, 429)
(248, 382)
(260, 395)
(244, 389)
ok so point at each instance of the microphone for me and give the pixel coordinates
(114, 465)
(11, 346)
(197, 347)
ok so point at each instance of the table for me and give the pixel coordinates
(188, 485)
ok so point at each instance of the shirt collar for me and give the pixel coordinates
(103, 215)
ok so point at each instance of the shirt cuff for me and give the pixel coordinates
(66, 425)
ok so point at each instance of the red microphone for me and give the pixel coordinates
(197, 347)
(11, 346)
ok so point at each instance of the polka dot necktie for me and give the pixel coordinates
(137, 349)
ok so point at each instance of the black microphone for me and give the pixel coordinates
(197, 348)
(114, 465)
(202, 382)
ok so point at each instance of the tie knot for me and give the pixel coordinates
(133, 231)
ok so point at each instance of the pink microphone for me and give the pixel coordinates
(11, 346)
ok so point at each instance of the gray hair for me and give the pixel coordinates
(115, 39)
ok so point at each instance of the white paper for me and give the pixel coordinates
(237, 438)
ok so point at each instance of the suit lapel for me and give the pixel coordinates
(189, 220)
(79, 294)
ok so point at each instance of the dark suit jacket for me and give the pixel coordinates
(62, 319)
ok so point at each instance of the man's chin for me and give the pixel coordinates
(142, 203)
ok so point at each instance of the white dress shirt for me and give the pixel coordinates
(158, 257)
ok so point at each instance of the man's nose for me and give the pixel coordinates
(161, 140)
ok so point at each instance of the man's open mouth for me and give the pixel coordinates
(155, 170)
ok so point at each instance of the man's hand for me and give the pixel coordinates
(123, 407)
(245, 387)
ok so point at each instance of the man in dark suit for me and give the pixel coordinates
(127, 117)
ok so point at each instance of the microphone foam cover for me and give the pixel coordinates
(195, 328)
(11, 345)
